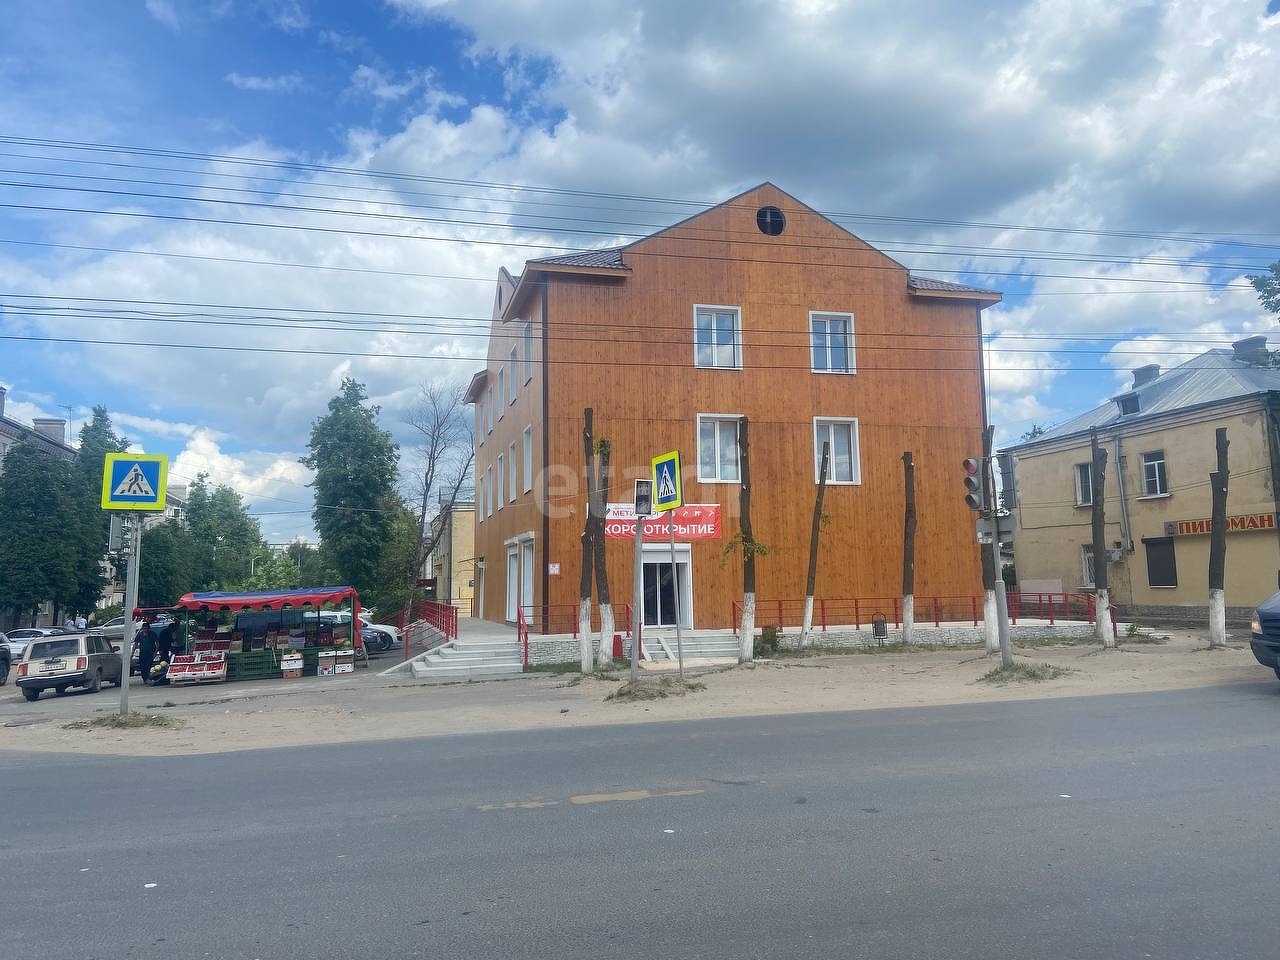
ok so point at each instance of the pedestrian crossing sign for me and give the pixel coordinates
(134, 481)
(668, 492)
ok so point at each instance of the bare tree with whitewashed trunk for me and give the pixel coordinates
(1218, 547)
(1102, 602)
(811, 578)
(750, 549)
(588, 544)
(908, 548)
(599, 506)
(445, 457)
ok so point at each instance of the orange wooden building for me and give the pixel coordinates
(759, 308)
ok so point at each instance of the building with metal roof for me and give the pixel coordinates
(1160, 440)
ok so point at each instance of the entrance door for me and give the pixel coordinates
(661, 590)
(513, 582)
(526, 579)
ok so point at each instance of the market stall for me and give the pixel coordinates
(276, 633)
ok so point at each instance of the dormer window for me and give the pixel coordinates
(1128, 403)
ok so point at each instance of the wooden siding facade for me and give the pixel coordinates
(622, 342)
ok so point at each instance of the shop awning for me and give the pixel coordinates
(219, 601)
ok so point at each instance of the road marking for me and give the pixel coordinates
(588, 798)
(519, 805)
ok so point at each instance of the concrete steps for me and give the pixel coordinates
(704, 646)
(466, 659)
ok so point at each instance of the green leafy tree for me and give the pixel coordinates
(226, 541)
(315, 567)
(355, 464)
(1268, 287)
(168, 564)
(1035, 431)
(88, 533)
(38, 511)
(386, 593)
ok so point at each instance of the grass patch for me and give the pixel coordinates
(1024, 673)
(1129, 638)
(1033, 643)
(897, 646)
(568, 666)
(129, 721)
(656, 688)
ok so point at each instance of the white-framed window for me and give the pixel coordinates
(1084, 485)
(511, 375)
(480, 501)
(717, 337)
(1086, 565)
(502, 392)
(842, 434)
(511, 479)
(528, 351)
(528, 458)
(1154, 482)
(488, 491)
(718, 448)
(831, 342)
(502, 475)
(480, 421)
(488, 413)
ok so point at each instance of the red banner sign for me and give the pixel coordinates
(693, 521)
(1248, 521)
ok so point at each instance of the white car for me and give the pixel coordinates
(18, 639)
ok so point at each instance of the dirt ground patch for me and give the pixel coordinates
(241, 717)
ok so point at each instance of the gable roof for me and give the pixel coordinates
(1214, 377)
(607, 261)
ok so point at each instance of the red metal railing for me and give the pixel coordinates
(563, 618)
(522, 635)
(855, 611)
(442, 616)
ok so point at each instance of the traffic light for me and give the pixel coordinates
(973, 484)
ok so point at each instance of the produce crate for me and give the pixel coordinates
(253, 665)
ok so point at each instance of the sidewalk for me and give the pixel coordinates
(224, 717)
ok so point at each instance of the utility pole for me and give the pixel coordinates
(908, 547)
(644, 506)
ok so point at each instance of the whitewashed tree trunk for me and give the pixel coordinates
(607, 627)
(991, 621)
(747, 633)
(908, 619)
(584, 634)
(1102, 624)
(1217, 620)
(806, 624)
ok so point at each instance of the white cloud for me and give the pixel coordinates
(288, 83)
(163, 11)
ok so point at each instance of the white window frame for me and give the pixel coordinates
(528, 351)
(1157, 477)
(511, 479)
(480, 501)
(721, 421)
(480, 421)
(1087, 568)
(501, 474)
(824, 429)
(712, 310)
(1082, 474)
(488, 491)
(511, 375)
(502, 392)
(528, 458)
(488, 412)
(825, 317)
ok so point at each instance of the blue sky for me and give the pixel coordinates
(1110, 167)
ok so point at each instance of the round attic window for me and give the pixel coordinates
(770, 221)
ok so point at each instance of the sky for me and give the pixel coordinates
(211, 211)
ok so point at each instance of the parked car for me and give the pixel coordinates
(73, 660)
(5, 661)
(1264, 633)
(19, 638)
